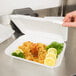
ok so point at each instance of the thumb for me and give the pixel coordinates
(69, 24)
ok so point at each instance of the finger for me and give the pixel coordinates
(75, 19)
(67, 18)
(69, 15)
(69, 24)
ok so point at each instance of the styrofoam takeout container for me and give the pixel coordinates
(39, 30)
(5, 33)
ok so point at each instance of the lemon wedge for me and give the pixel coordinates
(49, 61)
(52, 50)
(50, 58)
(51, 55)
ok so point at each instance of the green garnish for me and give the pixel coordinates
(56, 45)
(18, 53)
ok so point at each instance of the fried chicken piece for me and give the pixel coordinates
(41, 53)
(34, 49)
(26, 51)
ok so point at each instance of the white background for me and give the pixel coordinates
(6, 6)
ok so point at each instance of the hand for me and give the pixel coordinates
(70, 19)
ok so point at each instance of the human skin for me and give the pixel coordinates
(70, 19)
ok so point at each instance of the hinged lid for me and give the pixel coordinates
(47, 25)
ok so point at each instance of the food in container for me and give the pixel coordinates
(39, 52)
(40, 30)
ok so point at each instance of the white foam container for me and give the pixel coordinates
(43, 30)
(5, 33)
